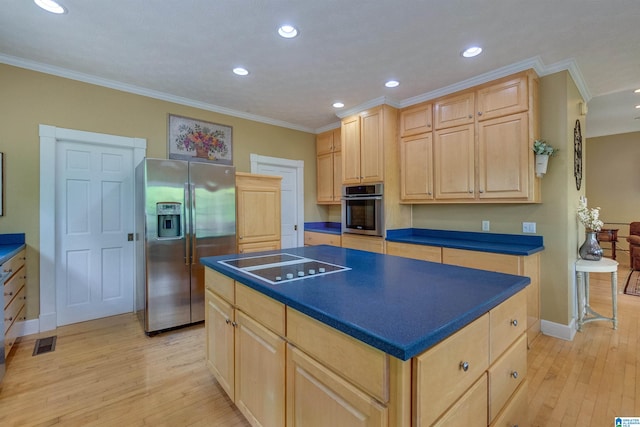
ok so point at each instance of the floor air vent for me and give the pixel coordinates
(44, 345)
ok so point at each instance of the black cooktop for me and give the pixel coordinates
(283, 267)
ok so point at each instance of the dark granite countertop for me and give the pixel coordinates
(509, 244)
(398, 305)
(324, 227)
(10, 244)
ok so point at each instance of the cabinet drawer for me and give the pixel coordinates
(271, 245)
(317, 397)
(500, 263)
(361, 364)
(470, 410)
(14, 264)
(421, 252)
(439, 373)
(14, 310)
(508, 321)
(265, 310)
(220, 284)
(515, 412)
(311, 238)
(12, 287)
(509, 371)
(363, 243)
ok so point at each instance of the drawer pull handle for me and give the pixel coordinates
(8, 320)
(227, 321)
(464, 366)
(514, 322)
(8, 294)
(514, 374)
(234, 324)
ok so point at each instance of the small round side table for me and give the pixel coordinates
(583, 268)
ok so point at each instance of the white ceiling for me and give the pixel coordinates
(184, 50)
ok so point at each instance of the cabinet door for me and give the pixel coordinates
(351, 150)
(260, 373)
(324, 143)
(416, 120)
(454, 163)
(245, 248)
(325, 177)
(504, 98)
(316, 397)
(371, 146)
(503, 157)
(258, 213)
(416, 167)
(337, 176)
(455, 110)
(220, 341)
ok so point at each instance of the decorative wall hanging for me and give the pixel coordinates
(577, 154)
(197, 140)
(1, 184)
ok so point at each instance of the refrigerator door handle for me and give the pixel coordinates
(187, 234)
(193, 225)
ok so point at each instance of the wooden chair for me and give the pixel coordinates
(634, 245)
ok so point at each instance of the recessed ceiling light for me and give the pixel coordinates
(240, 71)
(637, 91)
(472, 51)
(50, 6)
(392, 83)
(638, 106)
(338, 104)
(288, 31)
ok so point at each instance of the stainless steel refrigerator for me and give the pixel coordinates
(184, 211)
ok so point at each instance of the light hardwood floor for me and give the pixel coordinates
(108, 373)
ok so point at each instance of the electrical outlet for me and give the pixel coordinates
(486, 225)
(528, 227)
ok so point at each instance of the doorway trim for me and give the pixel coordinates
(49, 137)
(257, 159)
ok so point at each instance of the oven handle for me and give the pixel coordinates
(361, 197)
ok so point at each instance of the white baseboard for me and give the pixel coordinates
(557, 330)
(29, 327)
(48, 322)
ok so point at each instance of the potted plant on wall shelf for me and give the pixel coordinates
(543, 151)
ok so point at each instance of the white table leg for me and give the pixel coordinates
(614, 297)
(579, 284)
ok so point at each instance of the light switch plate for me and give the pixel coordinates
(528, 227)
(486, 225)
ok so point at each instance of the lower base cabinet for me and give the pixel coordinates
(283, 368)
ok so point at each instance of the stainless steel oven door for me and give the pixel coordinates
(362, 215)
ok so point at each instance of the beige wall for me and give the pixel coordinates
(554, 217)
(29, 99)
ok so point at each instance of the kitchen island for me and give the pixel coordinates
(382, 341)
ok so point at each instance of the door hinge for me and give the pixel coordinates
(295, 227)
(130, 237)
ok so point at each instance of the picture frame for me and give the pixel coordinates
(198, 140)
(1, 184)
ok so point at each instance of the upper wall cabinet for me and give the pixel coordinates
(481, 147)
(416, 120)
(329, 167)
(363, 140)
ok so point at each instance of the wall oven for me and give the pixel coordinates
(362, 211)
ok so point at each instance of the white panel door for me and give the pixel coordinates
(94, 214)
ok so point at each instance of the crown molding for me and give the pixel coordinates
(137, 90)
(369, 104)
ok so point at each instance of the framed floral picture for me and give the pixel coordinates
(197, 140)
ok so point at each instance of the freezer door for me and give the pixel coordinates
(213, 221)
(167, 261)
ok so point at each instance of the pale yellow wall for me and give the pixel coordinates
(554, 217)
(28, 99)
(613, 182)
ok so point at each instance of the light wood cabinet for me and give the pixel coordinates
(363, 137)
(416, 120)
(14, 290)
(329, 167)
(312, 238)
(482, 143)
(510, 264)
(363, 243)
(243, 351)
(416, 173)
(317, 397)
(258, 212)
(421, 252)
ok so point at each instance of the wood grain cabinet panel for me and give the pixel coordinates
(506, 97)
(329, 167)
(312, 238)
(421, 252)
(416, 120)
(506, 374)
(14, 290)
(258, 215)
(470, 410)
(416, 171)
(455, 110)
